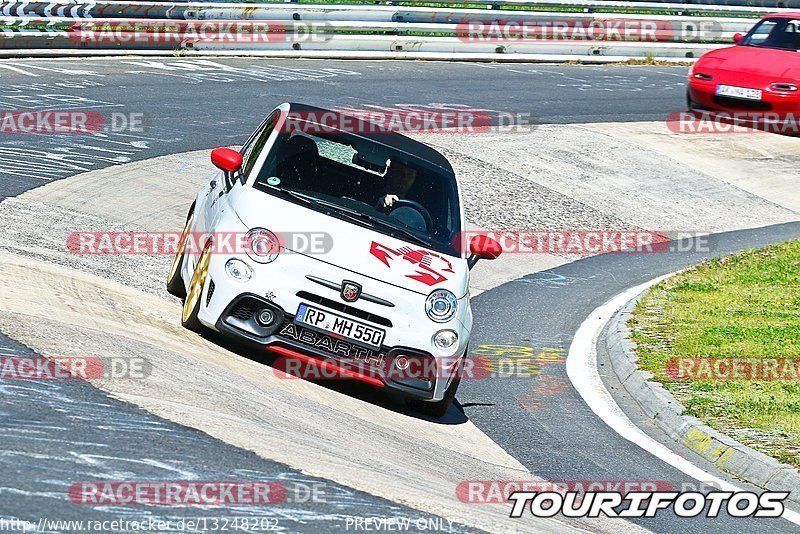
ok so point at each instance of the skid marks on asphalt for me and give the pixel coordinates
(551, 279)
(622, 82)
(203, 70)
(29, 149)
(126, 132)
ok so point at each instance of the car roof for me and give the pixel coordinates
(387, 138)
(783, 15)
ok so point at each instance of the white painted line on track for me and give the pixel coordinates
(583, 373)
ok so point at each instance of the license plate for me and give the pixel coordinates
(739, 92)
(340, 327)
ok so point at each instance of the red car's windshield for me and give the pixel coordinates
(780, 33)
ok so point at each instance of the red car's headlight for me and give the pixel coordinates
(783, 87)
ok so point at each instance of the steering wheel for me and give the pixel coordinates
(416, 206)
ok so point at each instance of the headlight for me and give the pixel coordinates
(238, 270)
(445, 340)
(441, 306)
(784, 87)
(262, 245)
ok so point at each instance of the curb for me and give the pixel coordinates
(666, 412)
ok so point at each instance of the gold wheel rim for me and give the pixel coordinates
(197, 283)
(181, 245)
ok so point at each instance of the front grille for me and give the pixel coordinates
(240, 315)
(210, 291)
(244, 309)
(738, 103)
(344, 308)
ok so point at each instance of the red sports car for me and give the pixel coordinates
(758, 78)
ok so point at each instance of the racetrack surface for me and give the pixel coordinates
(555, 434)
(537, 425)
(191, 104)
(59, 434)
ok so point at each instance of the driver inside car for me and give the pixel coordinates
(398, 181)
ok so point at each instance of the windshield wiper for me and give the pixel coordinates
(392, 228)
(297, 196)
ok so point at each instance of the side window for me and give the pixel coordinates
(792, 39)
(252, 149)
(762, 32)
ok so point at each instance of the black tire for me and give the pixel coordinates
(690, 104)
(175, 285)
(439, 408)
(191, 306)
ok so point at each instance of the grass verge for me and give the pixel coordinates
(738, 308)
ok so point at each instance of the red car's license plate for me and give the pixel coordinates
(739, 92)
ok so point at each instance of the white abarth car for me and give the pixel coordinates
(339, 246)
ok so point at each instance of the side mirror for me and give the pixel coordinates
(483, 247)
(737, 38)
(226, 159)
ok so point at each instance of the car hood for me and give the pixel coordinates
(753, 61)
(351, 246)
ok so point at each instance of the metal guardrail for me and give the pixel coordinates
(60, 40)
(298, 32)
(221, 10)
(678, 29)
(767, 5)
(331, 29)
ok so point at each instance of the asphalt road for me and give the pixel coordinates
(193, 104)
(56, 434)
(540, 419)
(189, 104)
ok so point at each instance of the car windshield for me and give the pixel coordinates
(781, 33)
(367, 183)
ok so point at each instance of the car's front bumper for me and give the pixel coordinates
(229, 307)
(772, 106)
(324, 357)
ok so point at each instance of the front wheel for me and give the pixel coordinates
(175, 285)
(191, 306)
(690, 104)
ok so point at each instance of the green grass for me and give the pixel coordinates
(741, 306)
